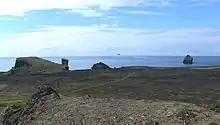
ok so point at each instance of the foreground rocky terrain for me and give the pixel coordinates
(46, 107)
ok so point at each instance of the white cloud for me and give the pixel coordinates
(203, 2)
(7, 18)
(21, 7)
(207, 1)
(86, 12)
(144, 12)
(109, 40)
(58, 12)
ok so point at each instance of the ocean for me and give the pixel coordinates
(119, 61)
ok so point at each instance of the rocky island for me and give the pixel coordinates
(188, 60)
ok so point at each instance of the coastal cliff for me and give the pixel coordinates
(35, 65)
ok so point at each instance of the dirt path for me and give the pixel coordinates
(97, 85)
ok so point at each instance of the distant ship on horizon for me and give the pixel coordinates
(118, 54)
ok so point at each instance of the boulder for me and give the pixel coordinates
(188, 60)
(19, 115)
(100, 65)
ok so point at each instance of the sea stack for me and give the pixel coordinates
(188, 60)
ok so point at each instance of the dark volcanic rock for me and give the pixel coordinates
(17, 115)
(100, 65)
(188, 60)
(216, 107)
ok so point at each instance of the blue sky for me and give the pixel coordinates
(108, 27)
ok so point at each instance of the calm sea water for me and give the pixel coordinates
(119, 61)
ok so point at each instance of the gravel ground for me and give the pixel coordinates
(95, 111)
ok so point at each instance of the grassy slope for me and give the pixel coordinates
(178, 84)
(39, 65)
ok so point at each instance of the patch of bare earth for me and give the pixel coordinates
(206, 68)
(94, 111)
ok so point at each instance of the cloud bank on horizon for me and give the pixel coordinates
(108, 27)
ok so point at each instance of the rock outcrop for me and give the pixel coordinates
(188, 60)
(65, 62)
(18, 115)
(100, 65)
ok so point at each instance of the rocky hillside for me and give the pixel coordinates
(34, 65)
(46, 107)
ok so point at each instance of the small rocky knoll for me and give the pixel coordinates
(100, 65)
(20, 115)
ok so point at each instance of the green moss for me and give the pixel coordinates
(5, 101)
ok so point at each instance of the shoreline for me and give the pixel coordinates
(156, 67)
